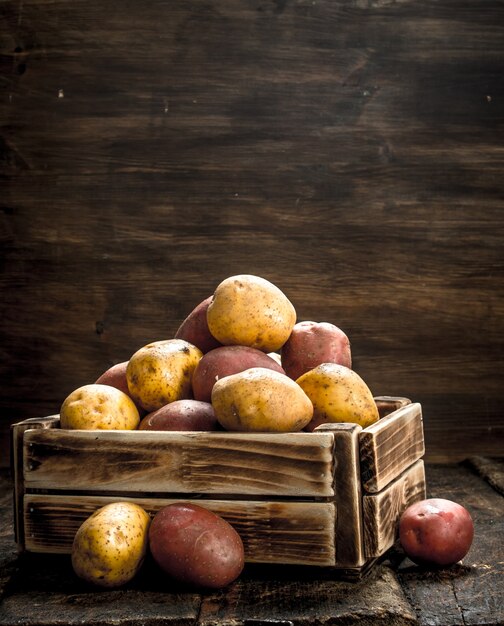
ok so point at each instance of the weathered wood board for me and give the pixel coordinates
(348, 493)
(382, 510)
(390, 446)
(295, 464)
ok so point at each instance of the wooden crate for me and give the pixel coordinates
(328, 498)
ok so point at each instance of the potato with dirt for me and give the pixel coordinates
(196, 546)
(248, 310)
(313, 343)
(225, 361)
(436, 532)
(185, 414)
(98, 407)
(338, 394)
(161, 372)
(110, 546)
(261, 400)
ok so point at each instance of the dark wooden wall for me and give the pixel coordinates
(351, 151)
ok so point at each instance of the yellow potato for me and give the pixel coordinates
(338, 394)
(260, 400)
(250, 311)
(110, 546)
(99, 407)
(161, 372)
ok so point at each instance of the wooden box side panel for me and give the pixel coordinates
(293, 464)
(389, 404)
(390, 446)
(382, 511)
(272, 532)
(17, 432)
(348, 494)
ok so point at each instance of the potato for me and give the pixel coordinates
(436, 532)
(261, 400)
(225, 361)
(115, 376)
(110, 546)
(182, 415)
(338, 394)
(313, 343)
(195, 546)
(194, 328)
(250, 311)
(161, 372)
(98, 407)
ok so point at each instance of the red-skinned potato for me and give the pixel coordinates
(195, 546)
(182, 415)
(225, 361)
(115, 376)
(436, 532)
(194, 328)
(312, 343)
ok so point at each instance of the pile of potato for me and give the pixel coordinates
(238, 362)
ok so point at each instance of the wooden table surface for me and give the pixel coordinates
(43, 590)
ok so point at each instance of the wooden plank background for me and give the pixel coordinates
(351, 151)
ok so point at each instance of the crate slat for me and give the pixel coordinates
(348, 494)
(265, 464)
(381, 511)
(388, 404)
(17, 432)
(391, 445)
(272, 532)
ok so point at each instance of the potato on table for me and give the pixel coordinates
(436, 532)
(195, 546)
(110, 546)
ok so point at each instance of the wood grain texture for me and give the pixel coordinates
(390, 446)
(17, 457)
(272, 532)
(492, 470)
(381, 511)
(262, 464)
(351, 152)
(347, 494)
(283, 600)
(389, 404)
